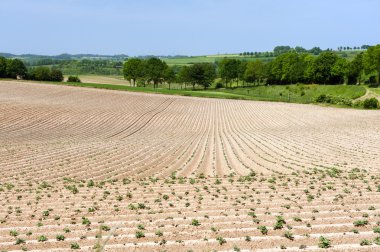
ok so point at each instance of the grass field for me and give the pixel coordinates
(210, 59)
(84, 168)
(280, 93)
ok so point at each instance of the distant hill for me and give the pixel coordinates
(65, 56)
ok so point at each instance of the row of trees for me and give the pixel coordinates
(156, 71)
(15, 68)
(12, 68)
(287, 68)
(45, 74)
(293, 67)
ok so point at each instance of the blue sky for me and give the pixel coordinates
(190, 27)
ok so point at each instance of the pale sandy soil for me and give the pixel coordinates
(115, 80)
(66, 136)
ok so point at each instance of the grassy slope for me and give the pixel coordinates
(261, 93)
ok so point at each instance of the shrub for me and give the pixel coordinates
(73, 79)
(371, 103)
(219, 85)
(56, 75)
(321, 98)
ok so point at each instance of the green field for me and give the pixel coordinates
(278, 93)
(210, 59)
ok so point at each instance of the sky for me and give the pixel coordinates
(183, 27)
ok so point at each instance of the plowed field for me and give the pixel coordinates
(132, 171)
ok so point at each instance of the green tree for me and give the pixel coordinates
(154, 69)
(183, 75)
(56, 75)
(40, 73)
(254, 71)
(322, 67)
(202, 74)
(355, 69)
(229, 70)
(372, 61)
(3, 67)
(169, 75)
(16, 68)
(315, 50)
(133, 70)
(339, 71)
(278, 50)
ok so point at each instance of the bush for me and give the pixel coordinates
(73, 79)
(333, 100)
(321, 98)
(371, 103)
(56, 75)
(219, 84)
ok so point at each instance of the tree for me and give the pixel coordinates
(229, 69)
(202, 74)
(154, 70)
(40, 73)
(365, 47)
(339, 71)
(322, 67)
(3, 67)
(16, 68)
(300, 49)
(183, 75)
(372, 61)
(355, 69)
(169, 75)
(309, 62)
(315, 50)
(278, 50)
(133, 70)
(56, 75)
(254, 71)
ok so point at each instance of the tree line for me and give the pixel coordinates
(16, 69)
(287, 68)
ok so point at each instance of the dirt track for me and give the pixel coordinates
(56, 138)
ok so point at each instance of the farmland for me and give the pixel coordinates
(83, 168)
